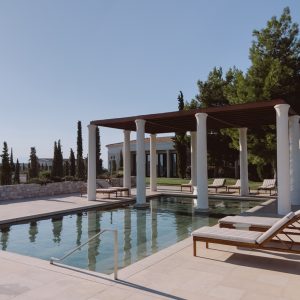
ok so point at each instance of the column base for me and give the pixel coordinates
(141, 205)
(195, 190)
(201, 211)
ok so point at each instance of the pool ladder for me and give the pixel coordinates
(115, 231)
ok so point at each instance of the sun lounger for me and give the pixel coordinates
(255, 223)
(187, 185)
(104, 185)
(276, 238)
(236, 186)
(217, 183)
(107, 191)
(251, 222)
(268, 185)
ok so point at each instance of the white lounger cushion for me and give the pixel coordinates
(275, 227)
(234, 235)
(249, 220)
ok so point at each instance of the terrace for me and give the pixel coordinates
(220, 272)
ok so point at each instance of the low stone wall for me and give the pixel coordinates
(21, 191)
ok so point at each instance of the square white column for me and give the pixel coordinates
(91, 184)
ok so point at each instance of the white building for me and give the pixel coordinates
(165, 156)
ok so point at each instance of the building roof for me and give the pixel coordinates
(159, 139)
(250, 115)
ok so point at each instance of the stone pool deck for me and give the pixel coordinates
(220, 272)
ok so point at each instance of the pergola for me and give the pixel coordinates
(198, 122)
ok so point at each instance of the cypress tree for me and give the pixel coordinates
(60, 161)
(34, 164)
(121, 162)
(72, 163)
(12, 165)
(17, 172)
(80, 162)
(181, 143)
(6, 168)
(66, 168)
(98, 153)
(54, 162)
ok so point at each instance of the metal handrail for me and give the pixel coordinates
(54, 259)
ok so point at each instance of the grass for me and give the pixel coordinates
(177, 181)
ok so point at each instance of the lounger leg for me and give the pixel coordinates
(206, 245)
(194, 247)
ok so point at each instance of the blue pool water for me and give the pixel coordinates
(141, 232)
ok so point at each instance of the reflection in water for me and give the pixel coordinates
(94, 218)
(57, 229)
(127, 236)
(154, 226)
(79, 228)
(141, 233)
(144, 232)
(4, 237)
(33, 231)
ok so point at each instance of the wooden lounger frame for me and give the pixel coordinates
(274, 242)
(186, 185)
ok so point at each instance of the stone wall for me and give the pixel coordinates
(21, 191)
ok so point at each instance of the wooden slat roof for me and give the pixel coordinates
(250, 115)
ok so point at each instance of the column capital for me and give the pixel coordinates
(153, 135)
(126, 131)
(201, 116)
(140, 122)
(243, 129)
(294, 118)
(282, 108)
(91, 126)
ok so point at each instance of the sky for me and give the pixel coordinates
(67, 60)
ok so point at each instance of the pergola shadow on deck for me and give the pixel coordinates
(198, 122)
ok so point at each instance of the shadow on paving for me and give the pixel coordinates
(267, 263)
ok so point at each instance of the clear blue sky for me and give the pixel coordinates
(66, 60)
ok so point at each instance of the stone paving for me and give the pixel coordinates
(220, 272)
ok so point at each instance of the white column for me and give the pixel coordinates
(126, 155)
(194, 161)
(91, 184)
(153, 172)
(243, 162)
(140, 164)
(283, 158)
(202, 183)
(168, 164)
(294, 131)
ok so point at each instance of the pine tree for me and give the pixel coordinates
(11, 160)
(6, 168)
(17, 173)
(80, 162)
(72, 163)
(34, 164)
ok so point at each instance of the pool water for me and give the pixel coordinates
(140, 232)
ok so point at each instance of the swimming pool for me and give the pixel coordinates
(141, 232)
